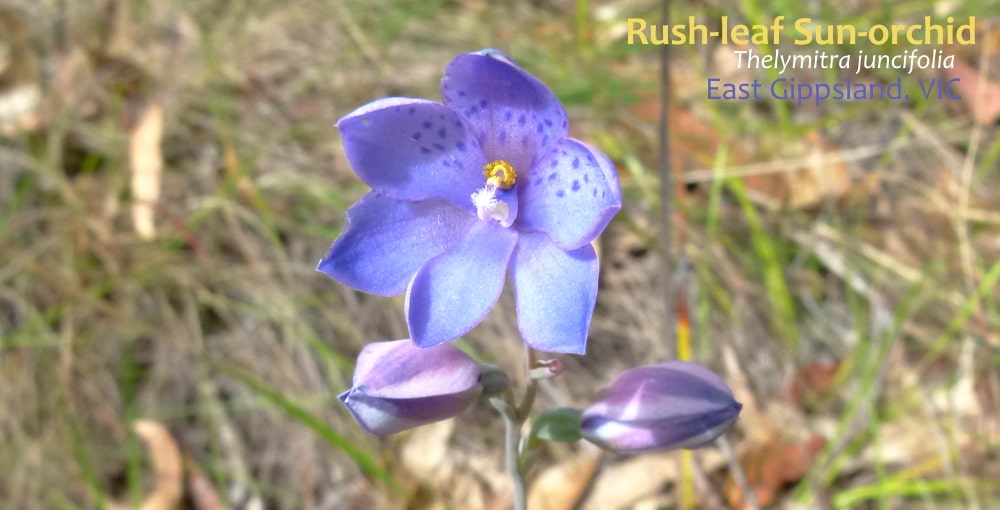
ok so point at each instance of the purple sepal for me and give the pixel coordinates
(666, 406)
(398, 386)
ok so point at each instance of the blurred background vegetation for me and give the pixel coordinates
(170, 175)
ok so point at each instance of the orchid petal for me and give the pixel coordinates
(387, 240)
(555, 291)
(413, 149)
(571, 194)
(513, 114)
(454, 291)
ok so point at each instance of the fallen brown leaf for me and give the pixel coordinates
(772, 465)
(146, 161)
(561, 486)
(167, 465)
(985, 105)
(812, 381)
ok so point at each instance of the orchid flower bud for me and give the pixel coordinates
(398, 386)
(665, 406)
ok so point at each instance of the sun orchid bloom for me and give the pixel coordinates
(666, 406)
(398, 386)
(467, 192)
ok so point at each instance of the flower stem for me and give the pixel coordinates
(514, 417)
(512, 442)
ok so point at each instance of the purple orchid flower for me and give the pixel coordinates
(666, 406)
(398, 386)
(487, 184)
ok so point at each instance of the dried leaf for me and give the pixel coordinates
(640, 477)
(561, 486)
(820, 175)
(812, 380)
(167, 464)
(984, 104)
(772, 465)
(146, 159)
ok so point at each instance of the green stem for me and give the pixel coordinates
(512, 441)
(514, 417)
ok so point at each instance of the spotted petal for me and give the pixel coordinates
(454, 291)
(387, 240)
(555, 292)
(413, 149)
(571, 194)
(514, 116)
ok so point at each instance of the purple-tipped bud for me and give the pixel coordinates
(398, 386)
(665, 406)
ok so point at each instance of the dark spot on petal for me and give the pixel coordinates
(522, 120)
(446, 162)
(564, 124)
(417, 135)
(576, 163)
(553, 176)
(560, 193)
(444, 86)
(554, 163)
(483, 103)
(441, 116)
(442, 133)
(545, 140)
(439, 147)
(502, 135)
(540, 128)
(458, 123)
(591, 160)
(460, 146)
(525, 141)
(425, 150)
(507, 116)
(428, 124)
(537, 181)
(586, 177)
(548, 122)
(461, 93)
(595, 193)
(576, 186)
(412, 110)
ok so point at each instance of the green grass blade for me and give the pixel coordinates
(332, 437)
(783, 320)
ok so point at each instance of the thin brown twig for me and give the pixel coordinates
(666, 193)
